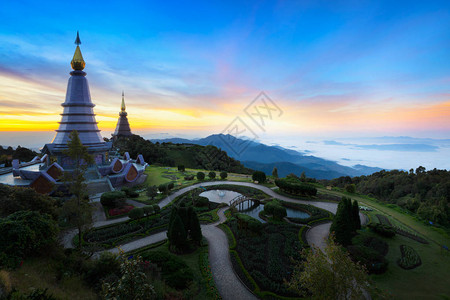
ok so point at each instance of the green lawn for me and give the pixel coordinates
(428, 281)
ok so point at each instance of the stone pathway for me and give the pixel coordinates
(228, 283)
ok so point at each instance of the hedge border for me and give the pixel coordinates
(205, 269)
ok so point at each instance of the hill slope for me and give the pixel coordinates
(262, 157)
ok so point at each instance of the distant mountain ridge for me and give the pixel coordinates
(262, 157)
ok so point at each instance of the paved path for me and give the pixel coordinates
(227, 282)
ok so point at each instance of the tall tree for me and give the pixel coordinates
(330, 274)
(342, 225)
(77, 210)
(355, 213)
(196, 230)
(133, 284)
(275, 172)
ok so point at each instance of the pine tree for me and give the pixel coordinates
(179, 235)
(355, 213)
(342, 225)
(196, 230)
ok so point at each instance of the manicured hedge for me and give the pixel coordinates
(136, 213)
(383, 230)
(113, 199)
(296, 187)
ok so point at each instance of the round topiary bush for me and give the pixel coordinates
(200, 176)
(259, 176)
(223, 175)
(136, 213)
(170, 185)
(212, 175)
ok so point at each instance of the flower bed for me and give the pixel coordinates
(384, 220)
(410, 259)
(263, 261)
(113, 212)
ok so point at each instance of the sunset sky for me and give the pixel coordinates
(335, 68)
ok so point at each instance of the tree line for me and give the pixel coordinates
(426, 193)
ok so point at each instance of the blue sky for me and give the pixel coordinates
(336, 67)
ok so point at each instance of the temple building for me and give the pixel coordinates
(123, 127)
(78, 114)
(109, 170)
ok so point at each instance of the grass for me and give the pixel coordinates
(41, 273)
(428, 281)
(437, 235)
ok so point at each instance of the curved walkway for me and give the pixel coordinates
(227, 282)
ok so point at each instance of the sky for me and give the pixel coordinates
(334, 69)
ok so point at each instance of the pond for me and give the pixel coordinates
(220, 196)
(224, 196)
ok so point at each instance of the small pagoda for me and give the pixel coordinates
(78, 114)
(123, 127)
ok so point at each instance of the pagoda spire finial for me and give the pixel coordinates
(77, 40)
(77, 62)
(122, 107)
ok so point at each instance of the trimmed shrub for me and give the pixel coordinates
(181, 168)
(170, 185)
(136, 213)
(223, 175)
(113, 199)
(381, 229)
(276, 209)
(200, 176)
(259, 176)
(212, 175)
(130, 192)
(156, 208)
(148, 210)
(189, 177)
(163, 188)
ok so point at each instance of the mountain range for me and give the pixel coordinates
(262, 157)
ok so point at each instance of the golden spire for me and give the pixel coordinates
(122, 107)
(77, 60)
